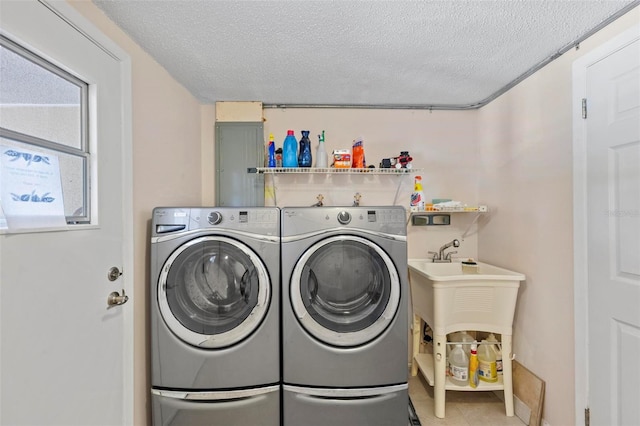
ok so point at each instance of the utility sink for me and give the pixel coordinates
(451, 297)
(454, 271)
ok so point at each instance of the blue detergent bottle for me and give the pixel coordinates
(304, 157)
(290, 150)
(272, 151)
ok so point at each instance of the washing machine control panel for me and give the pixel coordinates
(344, 217)
(253, 220)
(214, 218)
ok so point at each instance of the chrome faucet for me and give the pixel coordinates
(441, 257)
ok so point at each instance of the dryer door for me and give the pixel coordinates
(345, 290)
(213, 292)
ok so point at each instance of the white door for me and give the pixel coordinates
(65, 358)
(612, 230)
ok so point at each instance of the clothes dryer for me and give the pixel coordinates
(214, 313)
(344, 316)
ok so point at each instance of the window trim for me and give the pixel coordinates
(84, 151)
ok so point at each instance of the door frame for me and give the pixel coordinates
(580, 258)
(81, 24)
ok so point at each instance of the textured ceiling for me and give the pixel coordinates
(440, 53)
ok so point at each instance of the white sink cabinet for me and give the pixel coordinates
(449, 300)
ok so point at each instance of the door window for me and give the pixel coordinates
(345, 290)
(45, 109)
(214, 291)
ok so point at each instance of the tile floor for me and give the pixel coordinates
(461, 409)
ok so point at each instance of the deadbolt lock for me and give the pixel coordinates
(114, 273)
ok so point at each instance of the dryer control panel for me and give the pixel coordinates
(387, 219)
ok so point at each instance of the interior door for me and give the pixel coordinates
(613, 236)
(66, 358)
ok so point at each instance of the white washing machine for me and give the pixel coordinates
(344, 316)
(214, 313)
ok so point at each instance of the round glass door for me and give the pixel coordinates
(345, 290)
(213, 292)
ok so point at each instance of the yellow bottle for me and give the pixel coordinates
(498, 350)
(473, 366)
(487, 371)
(417, 196)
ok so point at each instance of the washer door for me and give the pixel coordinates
(345, 291)
(213, 292)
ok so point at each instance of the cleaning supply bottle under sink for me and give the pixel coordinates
(461, 337)
(487, 363)
(473, 366)
(459, 366)
(498, 350)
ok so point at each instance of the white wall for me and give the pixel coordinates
(442, 144)
(166, 171)
(207, 130)
(525, 144)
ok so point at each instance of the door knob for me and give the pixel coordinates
(115, 299)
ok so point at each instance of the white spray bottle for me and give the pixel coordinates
(321, 154)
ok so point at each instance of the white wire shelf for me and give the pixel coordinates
(463, 209)
(330, 170)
